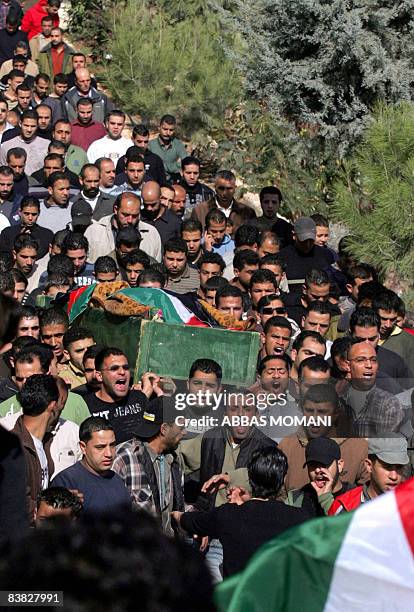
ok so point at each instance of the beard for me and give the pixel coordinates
(91, 193)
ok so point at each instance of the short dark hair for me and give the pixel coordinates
(272, 190)
(54, 157)
(364, 317)
(300, 339)
(228, 291)
(25, 241)
(7, 282)
(54, 316)
(74, 334)
(115, 113)
(176, 245)
(151, 275)
(211, 258)
(315, 276)
(320, 220)
(263, 276)
(245, 258)
(387, 300)
(216, 282)
(23, 87)
(87, 167)
(55, 177)
(6, 171)
(84, 101)
(28, 200)
(61, 264)
(55, 280)
(105, 264)
(60, 498)
(19, 277)
(277, 322)
(191, 225)
(137, 257)
(320, 307)
(207, 366)
(316, 363)
(273, 259)
(246, 235)
(283, 357)
(265, 300)
(169, 119)
(108, 351)
(19, 153)
(190, 160)
(88, 427)
(133, 157)
(37, 393)
(128, 235)
(92, 351)
(29, 353)
(140, 130)
(29, 114)
(215, 216)
(369, 289)
(266, 470)
(321, 394)
(61, 78)
(360, 270)
(42, 76)
(226, 175)
(75, 241)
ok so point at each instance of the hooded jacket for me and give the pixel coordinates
(32, 20)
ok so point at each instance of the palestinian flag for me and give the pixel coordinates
(78, 301)
(353, 562)
(170, 305)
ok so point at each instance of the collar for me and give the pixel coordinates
(47, 205)
(153, 455)
(75, 371)
(163, 145)
(84, 125)
(186, 274)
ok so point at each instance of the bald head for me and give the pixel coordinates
(151, 200)
(83, 80)
(178, 205)
(151, 191)
(127, 209)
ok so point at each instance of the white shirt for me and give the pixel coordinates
(43, 461)
(92, 203)
(4, 222)
(109, 148)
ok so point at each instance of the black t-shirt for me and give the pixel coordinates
(310, 498)
(123, 415)
(243, 529)
(299, 264)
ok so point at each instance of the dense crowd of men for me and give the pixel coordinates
(82, 203)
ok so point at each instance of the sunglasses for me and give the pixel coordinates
(269, 310)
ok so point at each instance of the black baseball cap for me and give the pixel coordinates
(149, 423)
(81, 213)
(322, 450)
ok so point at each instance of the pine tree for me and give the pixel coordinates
(322, 64)
(375, 197)
(160, 65)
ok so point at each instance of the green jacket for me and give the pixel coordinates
(45, 64)
(295, 499)
(75, 409)
(75, 158)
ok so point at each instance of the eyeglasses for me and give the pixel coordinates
(270, 310)
(116, 368)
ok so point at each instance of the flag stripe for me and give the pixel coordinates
(375, 564)
(290, 573)
(405, 496)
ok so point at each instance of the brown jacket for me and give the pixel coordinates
(240, 213)
(33, 467)
(353, 452)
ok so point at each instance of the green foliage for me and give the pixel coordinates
(375, 197)
(322, 64)
(88, 22)
(262, 153)
(159, 66)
